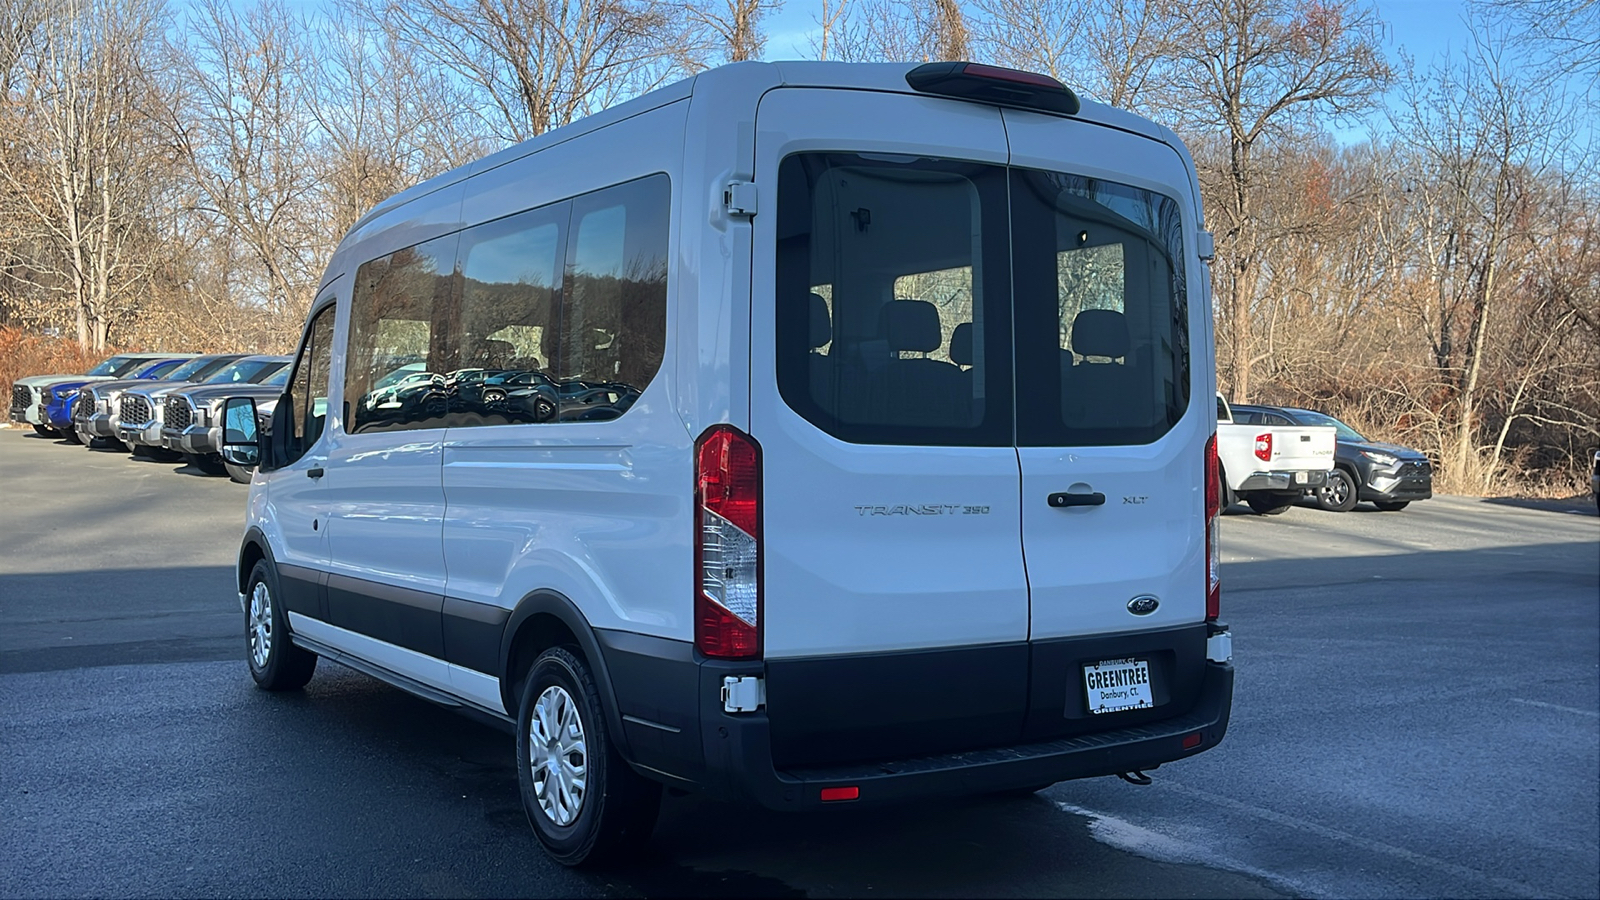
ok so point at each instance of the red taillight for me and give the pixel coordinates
(1264, 447)
(1191, 741)
(727, 613)
(1213, 510)
(840, 793)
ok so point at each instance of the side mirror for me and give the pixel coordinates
(241, 432)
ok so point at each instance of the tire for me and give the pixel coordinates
(44, 431)
(275, 662)
(1391, 505)
(239, 474)
(211, 465)
(70, 435)
(1269, 504)
(105, 443)
(1225, 495)
(494, 396)
(1341, 494)
(615, 808)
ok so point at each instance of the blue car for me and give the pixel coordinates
(57, 399)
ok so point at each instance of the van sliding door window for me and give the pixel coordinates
(1102, 323)
(401, 347)
(510, 292)
(614, 314)
(892, 298)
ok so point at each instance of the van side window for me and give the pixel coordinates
(401, 353)
(510, 290)
(893, 298)
(308, 387)
(614, 315)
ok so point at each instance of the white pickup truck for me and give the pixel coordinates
(1270, 466)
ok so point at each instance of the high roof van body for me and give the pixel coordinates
(804, 434)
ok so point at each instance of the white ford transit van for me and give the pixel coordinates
(806, 434)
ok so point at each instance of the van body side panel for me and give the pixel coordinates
(598, 511)
(384, 488)
(713, 250)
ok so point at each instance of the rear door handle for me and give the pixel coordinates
(316, 472)
(1063, 499)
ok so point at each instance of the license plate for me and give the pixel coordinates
(1302, 477)
(1118, 684)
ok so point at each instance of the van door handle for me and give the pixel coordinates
(316, 472)
(1063, 499)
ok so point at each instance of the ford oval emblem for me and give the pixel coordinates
(1143, 605)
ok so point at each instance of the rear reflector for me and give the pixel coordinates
(992, 84)
(840, 793)
(1190, 741)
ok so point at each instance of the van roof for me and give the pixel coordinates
(888, 77)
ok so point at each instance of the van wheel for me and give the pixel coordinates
(240, 474)
(1391, 505)
(276, 663)
(1269, 504)
(1340, 494)
(584, 802)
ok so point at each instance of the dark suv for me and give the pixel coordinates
(1389, 475)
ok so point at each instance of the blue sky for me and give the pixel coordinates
(1424, 29)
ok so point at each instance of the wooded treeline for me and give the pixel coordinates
(176, 174)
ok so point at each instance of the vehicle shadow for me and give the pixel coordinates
(1583, 504)
(964, 847)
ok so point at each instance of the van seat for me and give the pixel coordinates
(918, 390)
(1100, 391)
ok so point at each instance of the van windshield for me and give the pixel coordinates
(942, 302)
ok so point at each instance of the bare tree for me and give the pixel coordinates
(538, 64)
(898, 31)
(83, 179)
(734, 26)
(1484, 140)
(1117, 51)
(1250, 69)
(245, 129)
(1566, 32)
(384, 121)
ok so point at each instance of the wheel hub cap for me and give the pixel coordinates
(259, 628)
(558, 756)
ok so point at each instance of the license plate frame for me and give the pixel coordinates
(1118, 685)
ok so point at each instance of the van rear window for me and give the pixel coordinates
(916, 297)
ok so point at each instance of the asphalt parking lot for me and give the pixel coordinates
(1417, 714)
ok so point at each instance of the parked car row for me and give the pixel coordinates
(163, 406)
(1273, 456)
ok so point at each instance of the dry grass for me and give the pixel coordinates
(23, 354)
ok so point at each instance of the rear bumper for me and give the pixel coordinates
(1286, 482)
(883, 723)
(738, 753)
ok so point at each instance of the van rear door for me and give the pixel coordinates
(895, 606)
(1110, 440)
